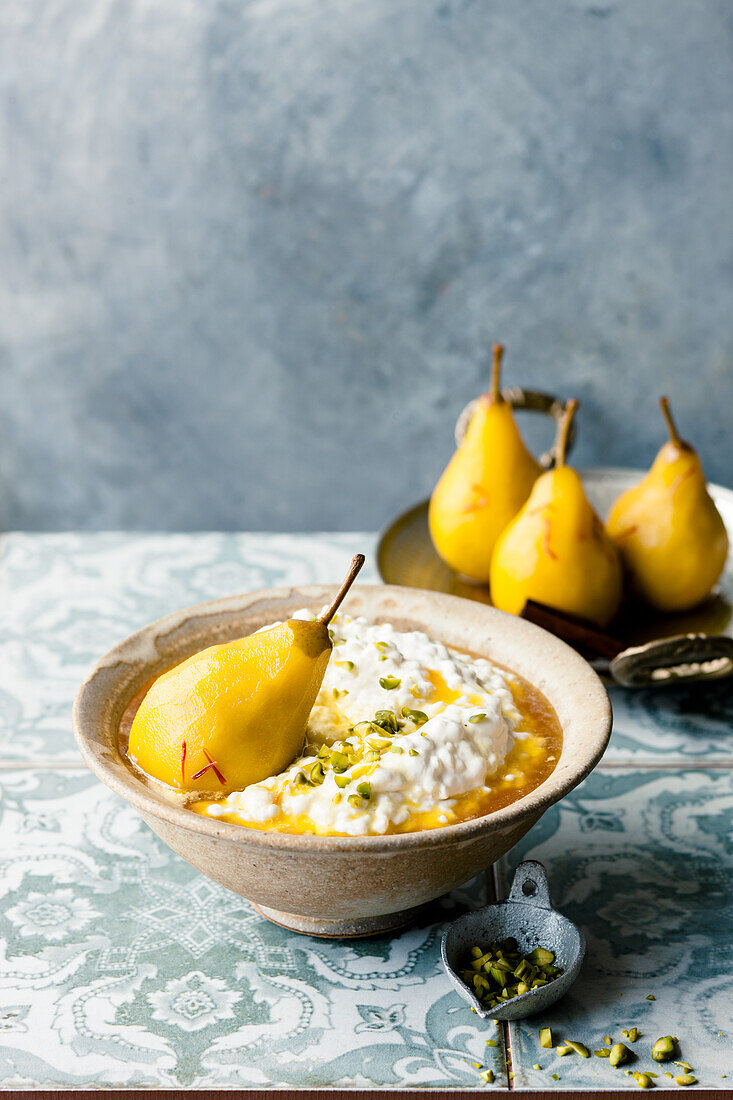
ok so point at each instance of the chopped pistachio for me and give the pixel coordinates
(604, 1052)
(413, 752)
(541, 957)
(365, 790)
(579, 1048)
(537, 1066)
(476, 1065)
(643, 1080)
(546, 1037)
(488, 1076)
(341, 781)
(491, 1043)
(554, 1076)
(686, 1079)
(562, 1051)
(355, 800)
(608, 1040)
(619, 1054)
(650, 997)
(389, 683)
(665, 1048)
(348, 665)
(477, 717)
(316, 773)
(632, 1034)
(382, 646)
(419, 717)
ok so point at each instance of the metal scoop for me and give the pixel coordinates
(528, 916)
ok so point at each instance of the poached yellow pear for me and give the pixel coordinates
(235, 713)
(669, 533)
(556, 550)
(483, 486)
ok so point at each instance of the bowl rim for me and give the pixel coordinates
(596, 707)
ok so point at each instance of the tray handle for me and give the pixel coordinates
(526, 401)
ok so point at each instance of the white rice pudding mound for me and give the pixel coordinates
(402, 726)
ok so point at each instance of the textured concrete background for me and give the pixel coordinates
(254, 252)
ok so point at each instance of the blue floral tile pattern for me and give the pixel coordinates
(642, 860)
(122, 966)
(66, 598)
(684, 722)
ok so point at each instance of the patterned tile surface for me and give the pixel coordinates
(121, 966)
(642, 860)
(682, 723)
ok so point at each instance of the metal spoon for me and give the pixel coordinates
(528, 916)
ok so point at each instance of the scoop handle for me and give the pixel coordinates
(530, 885)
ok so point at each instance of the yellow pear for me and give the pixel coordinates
(235, 713)
(669, 533)
(556, 550)
(483, 486)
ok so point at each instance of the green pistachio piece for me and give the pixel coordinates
(579, 1048)
(686, 1079)
(664, 1049)
(546, 1037)
(604, 1052)
(389, 683)
(619, 1054)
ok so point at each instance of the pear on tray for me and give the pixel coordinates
(235, 713)
(483, 486)
(669, 533)
(556, 550)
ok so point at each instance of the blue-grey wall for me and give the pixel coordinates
(253, 252)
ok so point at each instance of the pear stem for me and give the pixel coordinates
(497, 352)
(674, 435)
(356, 563)
(563, 431)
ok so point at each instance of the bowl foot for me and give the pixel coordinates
(341, 929)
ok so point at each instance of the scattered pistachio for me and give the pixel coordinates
(316, 773)
(413, 752)
(643, 1080)
(389, 683)
(341, 781)
(365, 790)
(382, 646)
(554, 1077)
(491, 1043)
(537, 1066)
(348, 665)
(685, 1065)
(686, 1079)
(650, 997)
(608, 1040)
(488, 1076)
(477, 717)
(619, 1054)
(665, 1048)
(510, 1075)
(633, 1034)
(419, 717)
(355, 800)
(579, 1048)
(477, 1065)
(545, 1037)
(604, 1052)
(562, 1051)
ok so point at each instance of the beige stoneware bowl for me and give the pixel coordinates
(342, 886)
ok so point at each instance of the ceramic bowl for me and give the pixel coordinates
(342, 886)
